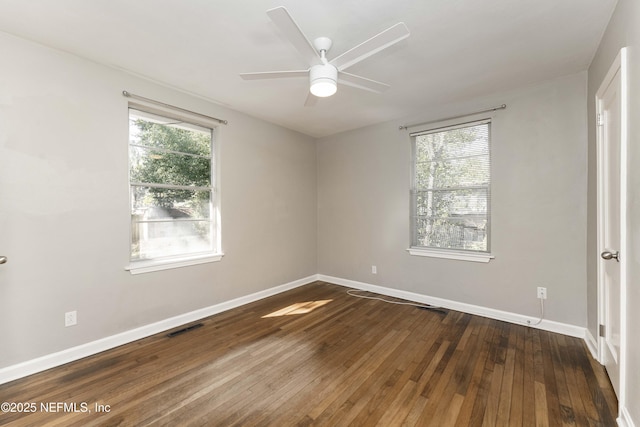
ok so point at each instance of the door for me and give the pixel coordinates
(610, 102)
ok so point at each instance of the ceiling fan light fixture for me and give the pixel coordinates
(323, 80)
(323, 88)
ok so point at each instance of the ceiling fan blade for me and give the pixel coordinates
(311, 100)
(362, 82)
(280, 16)
(375, 44)
(274, 74)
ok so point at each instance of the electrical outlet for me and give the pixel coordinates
(374, 269)
(70, 318)
(542, 292)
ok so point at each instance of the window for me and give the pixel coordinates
(450, 192)
(172, 190)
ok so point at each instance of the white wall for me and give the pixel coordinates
(539, 183)
(64, 208)
(623, 31)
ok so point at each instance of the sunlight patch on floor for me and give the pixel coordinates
(299, 308)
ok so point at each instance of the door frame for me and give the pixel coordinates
(619, 65)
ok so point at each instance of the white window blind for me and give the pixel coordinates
(450, 192)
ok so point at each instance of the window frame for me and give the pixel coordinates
(449, 253)
(183, 260)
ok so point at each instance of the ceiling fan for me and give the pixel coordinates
(324, 74)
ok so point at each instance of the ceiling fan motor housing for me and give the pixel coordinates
(323, 80)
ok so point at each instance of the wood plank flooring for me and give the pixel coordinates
(317, 356)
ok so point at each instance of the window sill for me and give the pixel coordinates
(139, 267)
(461, 256)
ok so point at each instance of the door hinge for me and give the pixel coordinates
(601, 331)
(599, 121)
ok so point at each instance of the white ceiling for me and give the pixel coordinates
(458, 49)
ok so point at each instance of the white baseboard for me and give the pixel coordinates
(39, 364)
(547, 325)
(624, 420)
(48, 361)
(592, 343)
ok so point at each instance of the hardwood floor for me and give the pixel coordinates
(317, 356)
